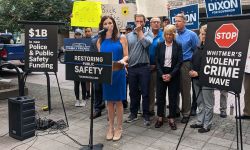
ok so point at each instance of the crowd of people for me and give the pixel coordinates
(165, 58)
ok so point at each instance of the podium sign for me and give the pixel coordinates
(41, 48)
(88, 66)
(224, 54)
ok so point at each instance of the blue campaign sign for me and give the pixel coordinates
(192, 14)
(82, 44)
(223, 8)
(146, 27)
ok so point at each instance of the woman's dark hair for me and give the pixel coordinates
(115, 29)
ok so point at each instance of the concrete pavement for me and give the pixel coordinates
(135, 135)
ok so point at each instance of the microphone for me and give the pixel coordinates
(103, 31)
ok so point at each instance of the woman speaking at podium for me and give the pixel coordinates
(114, 93)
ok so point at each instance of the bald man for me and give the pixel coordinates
(155, 24)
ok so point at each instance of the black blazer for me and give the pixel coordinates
(177, 58)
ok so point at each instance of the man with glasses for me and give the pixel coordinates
(123, 31)
(155, 24)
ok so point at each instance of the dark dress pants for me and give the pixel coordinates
(138, 78)
(173, 88)
(98, 101)
(194, 102)
(125, 102)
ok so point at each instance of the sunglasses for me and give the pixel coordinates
(123, 32)
(78, 34)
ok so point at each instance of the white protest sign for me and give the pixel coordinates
(247, 69)
(152, 8)
(122, 13)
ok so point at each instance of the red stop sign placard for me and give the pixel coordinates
(226, 35)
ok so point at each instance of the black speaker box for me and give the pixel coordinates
(21, 117)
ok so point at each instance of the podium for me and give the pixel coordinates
(88, 61)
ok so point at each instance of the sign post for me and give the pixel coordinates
(41, 51)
